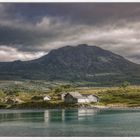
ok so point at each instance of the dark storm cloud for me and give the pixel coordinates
(32, 30)
(22, 36)
(85, 12)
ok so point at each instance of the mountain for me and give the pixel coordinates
(74, 63)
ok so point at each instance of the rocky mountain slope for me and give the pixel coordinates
(74, 63)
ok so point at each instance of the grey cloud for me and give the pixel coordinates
(113, 27)
(88, 13)
(8, 53)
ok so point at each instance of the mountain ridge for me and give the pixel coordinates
(74, 63)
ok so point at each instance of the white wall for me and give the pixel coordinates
(83, 100)
(92, 98)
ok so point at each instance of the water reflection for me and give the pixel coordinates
(9, 116)
(86, 113)
(22, 116)
(49, 115)
(72, 122)
(68, 115)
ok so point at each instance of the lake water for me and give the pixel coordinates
(74, 122)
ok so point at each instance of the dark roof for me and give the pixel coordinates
(76, 95)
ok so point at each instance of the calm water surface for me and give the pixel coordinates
(74, 122)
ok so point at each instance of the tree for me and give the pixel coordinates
(125, 84)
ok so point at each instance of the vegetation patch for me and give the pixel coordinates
(121, 95)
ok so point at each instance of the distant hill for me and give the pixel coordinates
(81, 63)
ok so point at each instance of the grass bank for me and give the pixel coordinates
(108, 97)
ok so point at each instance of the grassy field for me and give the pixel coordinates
(115, 96)
(108, 96)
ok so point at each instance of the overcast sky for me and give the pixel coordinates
(29, 31)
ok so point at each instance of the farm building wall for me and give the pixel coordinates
(92, 98)
(83, 100)
(70, 99)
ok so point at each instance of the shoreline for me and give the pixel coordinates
(117, 107)
(80, 107)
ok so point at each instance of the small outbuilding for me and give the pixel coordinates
(46, 98)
